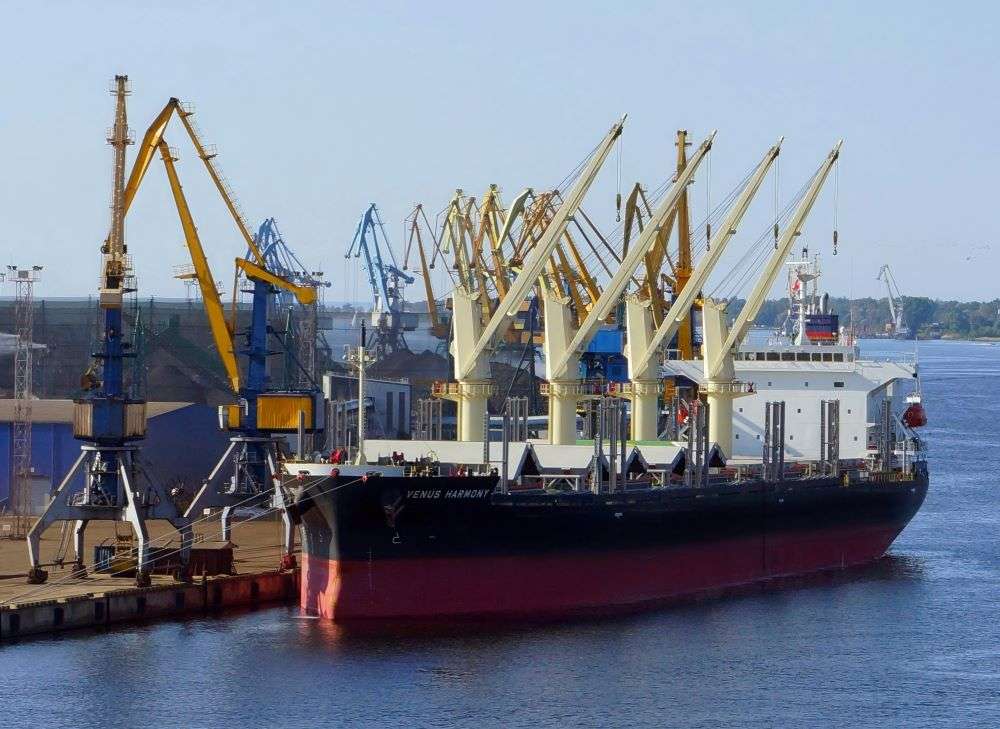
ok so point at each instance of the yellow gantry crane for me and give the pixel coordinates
(259, 414)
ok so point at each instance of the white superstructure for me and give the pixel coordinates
(803, 376)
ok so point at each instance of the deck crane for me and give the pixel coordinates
(260, 413)
(472, 341)
(564, 346)
(637, 212)
(109, 423)
(387, 280)
(721, 386)
(897, 324)
(646, 338)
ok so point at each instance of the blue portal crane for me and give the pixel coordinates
(281, 260)
(115, 487)
(301, 338)
(386, 280)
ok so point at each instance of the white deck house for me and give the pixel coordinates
(803, 376)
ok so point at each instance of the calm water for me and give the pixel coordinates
(912, 641)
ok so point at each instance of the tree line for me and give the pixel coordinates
(926, 317)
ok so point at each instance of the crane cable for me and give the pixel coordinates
(618, 193)
(836, 202)
(708, 203)
(777, 184)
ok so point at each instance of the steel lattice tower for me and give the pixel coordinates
(20, 496)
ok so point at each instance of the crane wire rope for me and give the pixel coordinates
(736, 279)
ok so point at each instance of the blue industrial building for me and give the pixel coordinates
(182, 446)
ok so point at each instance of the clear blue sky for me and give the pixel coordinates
(320, 108)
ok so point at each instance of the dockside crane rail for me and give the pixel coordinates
(536, 259)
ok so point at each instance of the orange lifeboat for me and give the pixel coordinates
(915, 416)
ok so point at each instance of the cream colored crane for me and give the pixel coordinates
(643, 348)
(721, 386)
(563, 346)
(472, 341)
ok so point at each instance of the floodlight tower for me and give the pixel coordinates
(24, 280)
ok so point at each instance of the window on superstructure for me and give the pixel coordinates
(817, 357)
(838, 356)
(827, 357)
(838, 384)
(788, 356)
(802, 357)
(773, 357)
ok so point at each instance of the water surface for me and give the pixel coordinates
(912, 641)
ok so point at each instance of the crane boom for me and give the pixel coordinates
(756, 298)
(222, 334)
(539, 255)
(150, 144)
(609, 299)
(682, 304)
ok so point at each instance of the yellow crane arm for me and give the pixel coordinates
(224, 192)
(305, 295)
(415, 236)
(221, 331)
(147, 149)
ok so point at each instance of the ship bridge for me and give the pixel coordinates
(804, 376)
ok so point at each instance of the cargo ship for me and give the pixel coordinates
(826, 469)
(397, 546)
(757, 461)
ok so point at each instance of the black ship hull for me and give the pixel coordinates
(391, 547)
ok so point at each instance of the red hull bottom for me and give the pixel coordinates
(564, 584)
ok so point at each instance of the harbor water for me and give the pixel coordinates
(911, 641)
